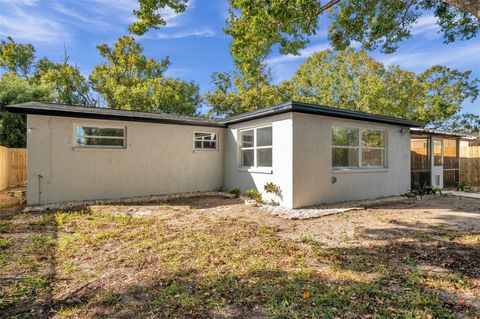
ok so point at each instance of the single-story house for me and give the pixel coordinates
(315, 154)
(443, 159)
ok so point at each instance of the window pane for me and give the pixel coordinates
(437, 152)
(247, 158)
(205, 136)
(246, 138)
(264, 157)
(264, 136)
(345, 157)
(342, 136)
(373, 157)
(209, 145)
(93, 141)
(97, 131)
(198, 144)
(373, 138)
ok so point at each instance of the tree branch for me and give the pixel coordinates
(471, 6)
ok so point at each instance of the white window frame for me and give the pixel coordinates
(124, 128)
(254, 148)
(360, 148)
(205, 149)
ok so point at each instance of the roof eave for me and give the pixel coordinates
(112, 117)
(306, 108)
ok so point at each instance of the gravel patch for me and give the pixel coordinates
(331, 209)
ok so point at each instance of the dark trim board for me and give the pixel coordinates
(113, 115)
(306, 108)
(52, 109)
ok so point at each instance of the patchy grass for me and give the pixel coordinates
(207, 262)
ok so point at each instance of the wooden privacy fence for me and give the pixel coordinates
(470, 162)
(13, 167)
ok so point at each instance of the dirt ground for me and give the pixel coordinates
(357, 227)
(216, 257)
(6, 200)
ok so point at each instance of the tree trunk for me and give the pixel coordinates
(472, 6)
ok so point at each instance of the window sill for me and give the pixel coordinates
(205, 149)
(259, 170)
(359, 170)
(103, 148)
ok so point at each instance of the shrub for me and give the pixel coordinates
(258, 197)
(251, 193)
(463, 186)
(236, 192)
(271, 188)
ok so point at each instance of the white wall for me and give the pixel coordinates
(281, 173)
(159, 159)
(312, 161)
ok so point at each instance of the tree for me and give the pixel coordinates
(149, 15)
(235, 94)
(16, 57)
(14, 89)
(355, 81)
(257, 26)
(28, 79)
(131, 81)
(460, 123)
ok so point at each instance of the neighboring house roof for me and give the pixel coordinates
(425, 131)
(54, 109)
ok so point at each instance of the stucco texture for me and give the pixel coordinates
(281, 172)
(158, 159)
(312, 164)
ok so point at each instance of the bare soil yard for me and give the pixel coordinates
(216, 257)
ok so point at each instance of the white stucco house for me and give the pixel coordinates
(315, 154)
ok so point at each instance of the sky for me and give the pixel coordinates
(195, 41)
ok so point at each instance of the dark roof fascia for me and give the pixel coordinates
(261, 113)
(307, 108)
(292, 106)
(126, 116)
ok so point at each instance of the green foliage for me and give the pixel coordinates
(251, 193)
(426, 189)
(237, 192)
(150, 14)
(460, 123)
(258, 197)
(29, 80)
(271, 188)
(355, 81)
(131, 81)
(17, 58)
(69, 85)
(14, 89)
(258, 26)
(235, 94)
(463, 186)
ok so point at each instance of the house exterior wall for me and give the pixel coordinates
(158, 159)
(281, 172)
(312, 164)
